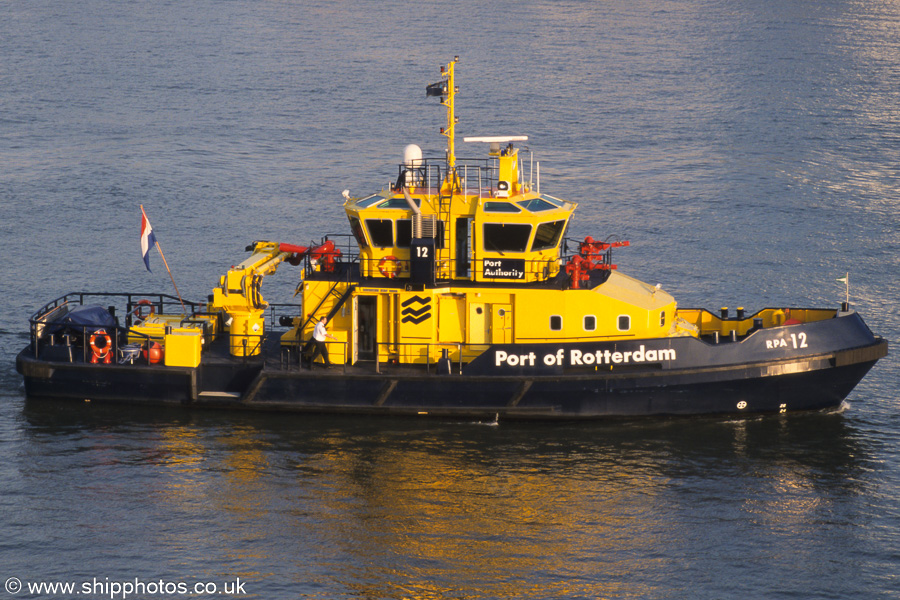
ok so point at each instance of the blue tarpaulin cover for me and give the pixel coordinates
(89, 316)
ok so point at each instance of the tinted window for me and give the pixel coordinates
(381, 232)
(358, 232)
(501, 207)
(399, 203)
(370, 200)
(404, 233)
(547, 235)
(590, 322)
(624, 322)
(506, 238)
(553, 200)
(536, 205)
(555, 323)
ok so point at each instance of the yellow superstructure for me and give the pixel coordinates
(454, 256)
(459, 254)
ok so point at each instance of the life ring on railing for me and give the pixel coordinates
(390, 273)
(138, 311)
(101, 353)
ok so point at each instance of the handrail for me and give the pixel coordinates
(429, 173)
(38, 321)
(130, 296)
(426, 345)
(545, 269)
(301, 345)
(115, 334)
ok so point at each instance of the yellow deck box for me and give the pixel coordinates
(183, 347)
(154, 327)
(154, 331)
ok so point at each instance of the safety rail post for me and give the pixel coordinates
(465, 180)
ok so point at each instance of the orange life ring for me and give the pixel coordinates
(389, 273)
(101, 353)
(138, 311)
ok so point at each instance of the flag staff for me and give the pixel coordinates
(184, 310)
(846, 281)
(165, 262)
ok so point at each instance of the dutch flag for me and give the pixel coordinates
(148, 240)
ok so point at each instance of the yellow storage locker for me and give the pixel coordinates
(183, 347)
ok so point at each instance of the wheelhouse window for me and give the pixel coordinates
(555, 201)
(399, 202)
(624, 323)
(500, 237)
(555, 323)
(590, 323)
(536, 205)
(501, 207)
(356, 228)
(381, 232)
(547, 235)
(368, 201)
(404, 233)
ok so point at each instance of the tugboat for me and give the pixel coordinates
(456, 294)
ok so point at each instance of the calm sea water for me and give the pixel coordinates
(748, 149)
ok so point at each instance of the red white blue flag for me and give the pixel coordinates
(148, 240)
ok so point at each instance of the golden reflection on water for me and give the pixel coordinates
(488, 512)
(198, 477)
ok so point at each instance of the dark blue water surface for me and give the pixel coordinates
(750, 150)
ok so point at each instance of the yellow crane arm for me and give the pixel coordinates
(239, 288)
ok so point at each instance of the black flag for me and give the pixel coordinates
(436, 89)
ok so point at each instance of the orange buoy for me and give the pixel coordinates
(154, 353)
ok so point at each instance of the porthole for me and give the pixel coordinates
(590, 322)
(555, 323)
(624, 323)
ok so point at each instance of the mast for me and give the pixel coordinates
(447, 100)
(446, 89)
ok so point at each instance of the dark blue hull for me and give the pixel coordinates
(803, 367)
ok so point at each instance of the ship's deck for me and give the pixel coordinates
(276, 358)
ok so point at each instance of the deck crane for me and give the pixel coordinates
(238, 294)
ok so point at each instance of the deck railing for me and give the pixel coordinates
(387, 355)
(448, 268)
(395, 349)
(48, 314)
(473, 175)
